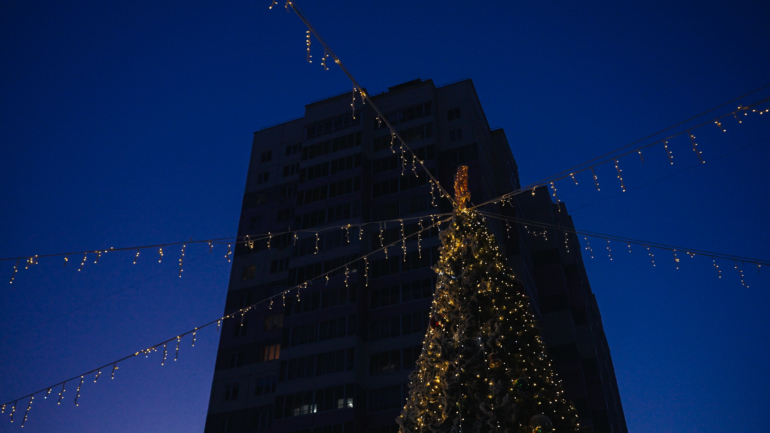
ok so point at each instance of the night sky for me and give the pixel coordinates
(131, 124)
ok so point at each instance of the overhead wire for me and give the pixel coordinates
(366, 97)
(232, 315)
(652, 244)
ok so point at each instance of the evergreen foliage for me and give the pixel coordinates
(483, 367)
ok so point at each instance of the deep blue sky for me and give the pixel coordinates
(131, 123)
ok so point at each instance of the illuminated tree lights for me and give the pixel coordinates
(483, 365)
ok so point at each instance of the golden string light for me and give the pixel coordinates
(307, 41)
(165, 351)
(366, 270)
(596, 179)
(61, 393)
(26, 412)
(98, 373)
(609, 251)
(229, 253)
(668, 153)
(114, 367)
(137, 255)
(193, 336)
(572, 175)
(15, 270)
(403, 239)
(77, 396)
(181, 261)
(676, 259)
(83, 262)
(695, 147)
(617, 167)
(66, 259)
(588, 246)
(716, 266)
(641, 157)
(553, 188)
(316, 243)
(160, 254)
(652, 256)
(353, 103)
(740, 273)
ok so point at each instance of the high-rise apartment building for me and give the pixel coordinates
(335, 358)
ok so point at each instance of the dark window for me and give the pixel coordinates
(261, 420)
(241, 328)
(255, 222)
(263, 177)
(265, 385)
(279, 265)
(329, 126)
(404, 115)
(290, 170)
(266, 156)
(236, 359)
(288, 191)
(273, 321)
(385, 362)
(231, 391)
(291, 150)
(244, 300)
(453, 114)
(387, 428)
(285, 215)
(259, 199)
(223, 424)
(388, 398)
(455, 134)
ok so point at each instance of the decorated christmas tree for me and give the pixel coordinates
(483, 367)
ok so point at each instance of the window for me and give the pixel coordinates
(453, 114)
(332, 125)
(290, 170)
(270, 353)
(244, 300)
(331, 146)
(249, 272)
(261, 420)
(266, 385)
(231, 391)
(259, 199)
(285, 215)
(385, 362)
(288, 191)
(273, 321)
(266, 156)
(390, 397)
(263, 177)
(236, 359)
(455, 134)
(279, 265)
(410, 134)
(255, 222)
(223, 423)
(387, 428)
(292, 149)
(241, 328)
(404, 115)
